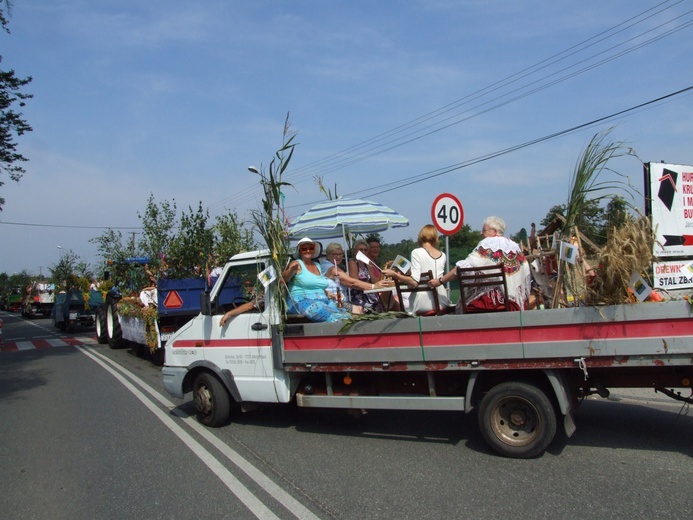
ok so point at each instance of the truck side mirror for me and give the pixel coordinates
(205, 304)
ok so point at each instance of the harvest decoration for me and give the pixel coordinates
(587, 187)
(131, 307)
(271, 221)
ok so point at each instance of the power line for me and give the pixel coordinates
(386, 141)
(402, 183)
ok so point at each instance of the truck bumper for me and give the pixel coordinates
(173, 380)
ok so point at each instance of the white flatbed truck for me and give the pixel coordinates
(523, 371)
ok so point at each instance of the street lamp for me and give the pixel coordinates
(253, 169)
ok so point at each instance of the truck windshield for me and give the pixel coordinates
(241, 285)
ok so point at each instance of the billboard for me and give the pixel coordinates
(670, 204)
(673, 275)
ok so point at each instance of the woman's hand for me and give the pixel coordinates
(291, 270)
(434, 283)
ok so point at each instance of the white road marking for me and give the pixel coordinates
(234, 485)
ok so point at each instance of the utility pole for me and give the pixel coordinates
(133, 242)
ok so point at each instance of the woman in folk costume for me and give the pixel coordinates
(492, 249)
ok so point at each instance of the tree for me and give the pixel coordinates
(64, 271)
(463, 242)
(231, 238)
(157, 229)
(12, 125)
(188, 250)
(616, 213)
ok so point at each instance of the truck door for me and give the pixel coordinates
(243, 346)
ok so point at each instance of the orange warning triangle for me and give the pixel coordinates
(173, 300)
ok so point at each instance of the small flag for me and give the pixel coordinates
(568, 252)
(267, 276)
(402, 264)
(361, 257)
(639, 287)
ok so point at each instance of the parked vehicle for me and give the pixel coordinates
(524, 372)
(73, 309)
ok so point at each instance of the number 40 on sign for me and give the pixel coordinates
(447, 214)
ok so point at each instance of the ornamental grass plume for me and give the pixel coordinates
(585, 184)
(270, 220)
(586, 188)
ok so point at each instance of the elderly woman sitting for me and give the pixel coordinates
(307, 286)
(493, 249)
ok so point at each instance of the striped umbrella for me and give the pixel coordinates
(337, 218)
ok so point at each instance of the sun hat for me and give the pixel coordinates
(306, 240)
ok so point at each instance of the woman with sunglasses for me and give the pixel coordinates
(307, 286)
(340, 281)
(362, 272)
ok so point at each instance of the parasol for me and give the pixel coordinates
(339, 217)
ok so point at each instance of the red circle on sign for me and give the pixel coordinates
(447, 214)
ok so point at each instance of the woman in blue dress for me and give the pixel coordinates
(307, 286)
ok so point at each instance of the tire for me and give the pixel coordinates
(212, 401)
(101, 327)
(517, 420)
(115, 333)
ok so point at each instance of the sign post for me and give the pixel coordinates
(448, 216)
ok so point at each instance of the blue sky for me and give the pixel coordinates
(177, 99)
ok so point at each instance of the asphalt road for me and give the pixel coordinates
(88, 432)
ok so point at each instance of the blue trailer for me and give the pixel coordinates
(146, 326)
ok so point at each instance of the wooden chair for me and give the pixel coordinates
(421, 287)
(471, 278)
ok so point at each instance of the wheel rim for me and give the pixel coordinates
(515, 421)
(203, 400)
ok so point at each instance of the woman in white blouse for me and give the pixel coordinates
(425, 258)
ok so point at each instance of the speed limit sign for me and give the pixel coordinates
(447, 214)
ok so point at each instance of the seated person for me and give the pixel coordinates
(494, 248)
(256, 302)
(307, 287)
(340, 281)
(424, 258)
(359, 271)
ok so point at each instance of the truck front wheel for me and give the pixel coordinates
(212, 401)
(517, 420)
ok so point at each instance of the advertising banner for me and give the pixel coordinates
(670, 190)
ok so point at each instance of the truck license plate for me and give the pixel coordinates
(73, 315)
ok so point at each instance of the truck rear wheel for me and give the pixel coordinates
(115, 333)
(517, 420)
(101, 327)
(212, 401)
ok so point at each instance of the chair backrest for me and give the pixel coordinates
(422, 286)
(471, 278)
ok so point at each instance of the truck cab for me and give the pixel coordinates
(239, 354)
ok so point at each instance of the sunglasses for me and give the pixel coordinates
(306, 248)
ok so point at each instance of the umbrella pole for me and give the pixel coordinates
(347, 250)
